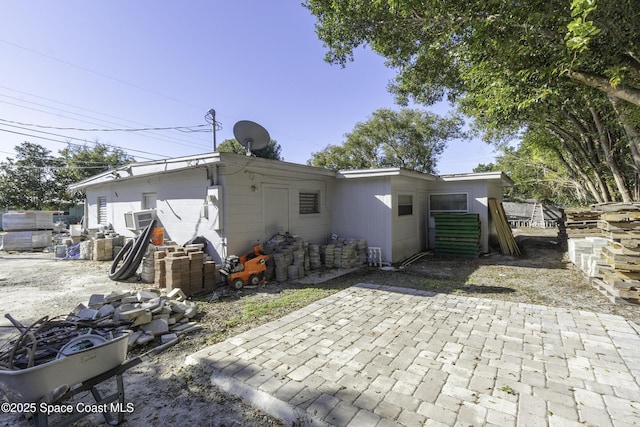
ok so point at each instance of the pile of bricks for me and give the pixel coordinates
(25, 231)
(185, 268)
(148, 314)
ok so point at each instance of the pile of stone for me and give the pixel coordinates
(26, 230)
(186, 268)
(150, 315)
(295, 258)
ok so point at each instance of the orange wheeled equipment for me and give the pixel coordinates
(247, 269)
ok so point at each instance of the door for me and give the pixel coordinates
(275, 205)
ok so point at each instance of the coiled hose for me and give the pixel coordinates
(131, 255)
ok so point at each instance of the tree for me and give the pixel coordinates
(409, 138)
(28, 181)
(81, 162)
(36, 180)
(271, 151)
(438, 46)
(512, 67)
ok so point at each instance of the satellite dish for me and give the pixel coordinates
(251, 135)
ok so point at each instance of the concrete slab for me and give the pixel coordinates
(395, 356)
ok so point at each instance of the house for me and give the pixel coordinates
(234, 200)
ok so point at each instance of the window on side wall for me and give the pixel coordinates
(405, 204)
(448, 203)
(102, 210)
(309, 202)
(149, 200)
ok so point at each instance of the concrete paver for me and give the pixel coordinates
(374, 355)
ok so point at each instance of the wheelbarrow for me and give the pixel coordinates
(43, 386)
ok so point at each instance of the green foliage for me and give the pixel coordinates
(29, 180)
(271, 151)
(37, 180)
(408, 138)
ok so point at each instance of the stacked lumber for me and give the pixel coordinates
(578, 222)
(457, 234)
(26, 231)
(613, 266)
(507, 242)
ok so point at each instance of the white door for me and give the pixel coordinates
(275, 205)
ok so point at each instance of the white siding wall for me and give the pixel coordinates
(181, 195)
(179, 198)
(362, 208)
(407, 240)
(244, 200)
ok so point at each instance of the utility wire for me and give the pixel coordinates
(70, 143)
(195, 128)
(82, 115)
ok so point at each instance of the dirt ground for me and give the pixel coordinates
(164, 392)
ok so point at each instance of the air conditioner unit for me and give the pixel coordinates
(137, 220)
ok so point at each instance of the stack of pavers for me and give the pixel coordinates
(27, 230)
(186, 268)
(457, 234)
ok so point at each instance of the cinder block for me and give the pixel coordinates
(156, 327)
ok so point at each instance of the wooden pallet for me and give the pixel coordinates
(615, 295)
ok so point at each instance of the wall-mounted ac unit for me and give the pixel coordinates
(137, 220)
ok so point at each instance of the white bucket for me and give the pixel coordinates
(75, 230)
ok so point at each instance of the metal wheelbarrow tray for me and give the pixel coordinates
(32, 384)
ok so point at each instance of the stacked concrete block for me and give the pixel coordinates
(160, 272)
(210, 275)
(178, 274)
(147, 274)
(103, 249)
(196, 266)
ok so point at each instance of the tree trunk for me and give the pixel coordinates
(609, 158)
(632, 134)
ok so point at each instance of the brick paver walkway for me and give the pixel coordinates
(378, 356)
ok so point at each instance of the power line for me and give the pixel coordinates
(70, 143)
(184, 143)
(194, 128)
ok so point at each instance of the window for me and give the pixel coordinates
(309, 203)
(405, 204)
(149, 200)
(454, 202)
(102, 210)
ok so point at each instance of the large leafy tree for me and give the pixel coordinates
(81, 161)
(408, 138)
(28, 181)
(37, 180)
(532, 65)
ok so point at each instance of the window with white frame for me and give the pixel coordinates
(405, 204)
(149, 200)
(309, 202)
(448, 203)
(102, 210)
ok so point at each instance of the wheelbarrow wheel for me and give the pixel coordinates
(237, 284)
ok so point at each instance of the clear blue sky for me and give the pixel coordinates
(132, 64)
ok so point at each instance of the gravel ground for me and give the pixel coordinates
(164, 392)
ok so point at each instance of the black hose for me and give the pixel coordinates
(132, 252)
